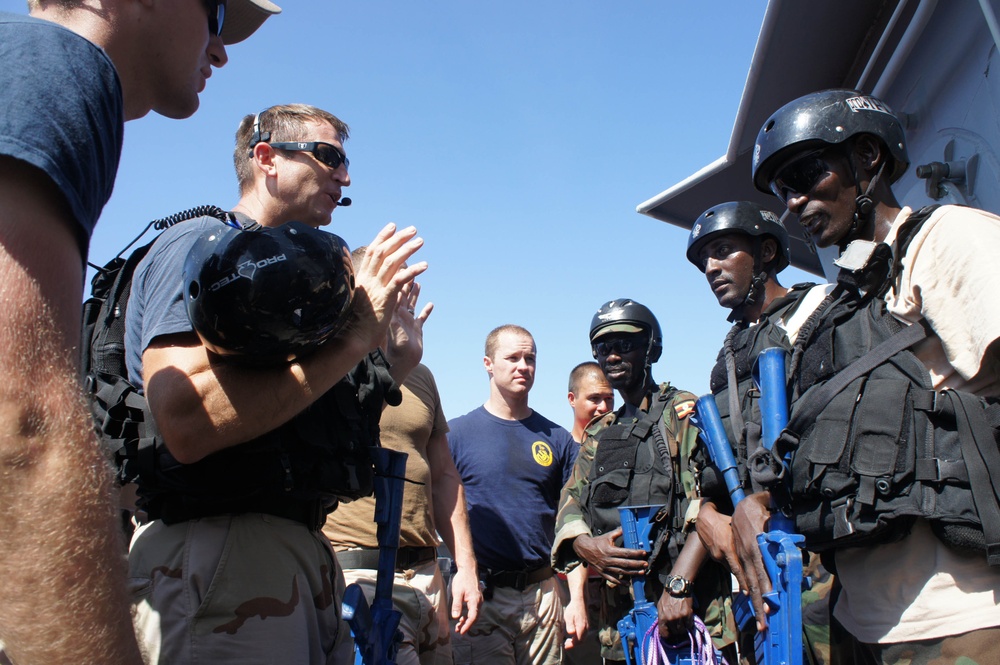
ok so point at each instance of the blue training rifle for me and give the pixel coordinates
(376, 629)
(781, 644)
(638, 627)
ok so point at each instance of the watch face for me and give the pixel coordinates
(678, 585)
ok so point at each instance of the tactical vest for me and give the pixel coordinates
(300, 470)
(743, 344)
(872, 445)
(634, 465)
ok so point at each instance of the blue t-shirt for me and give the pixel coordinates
(513, 472)
(63, 112)
(156, 304)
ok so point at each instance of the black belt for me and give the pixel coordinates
(406, 558)
(310, 513)
(515, 579)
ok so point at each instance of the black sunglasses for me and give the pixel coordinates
(800, 176)
(619, 346)
(216, 16)
(323, 152)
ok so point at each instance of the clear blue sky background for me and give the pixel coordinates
(518, 137)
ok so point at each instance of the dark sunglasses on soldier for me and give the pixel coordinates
(801, 175)
(216, 16)
(323, 152)
(619, 346)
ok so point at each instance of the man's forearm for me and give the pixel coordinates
(63, 597)
(203, 405)
(451, 516)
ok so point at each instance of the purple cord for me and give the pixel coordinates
(702, 649)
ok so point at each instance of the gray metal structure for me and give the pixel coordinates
(931, 60)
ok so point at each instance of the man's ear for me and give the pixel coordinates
(868, 153)
(572, 400)
(488, 364)
(768, 251)
(263, 158)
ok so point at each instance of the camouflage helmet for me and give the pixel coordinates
(738, 217)
(825, 118)
(627, 316)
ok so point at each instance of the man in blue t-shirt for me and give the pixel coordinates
(72, 73)
(513, 462)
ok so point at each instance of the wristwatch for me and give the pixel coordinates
(679, 587)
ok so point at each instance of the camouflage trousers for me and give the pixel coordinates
(515, 628)
(420, 596)
(237, 589)
(978, 647)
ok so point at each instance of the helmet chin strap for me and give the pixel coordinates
(864, 206)
(757, 285)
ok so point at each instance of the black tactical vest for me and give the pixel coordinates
(634, 465)
(312, 462)
(745, 343)
(873, 445)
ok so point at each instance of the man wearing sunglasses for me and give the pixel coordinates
(741, 247)
(645, 453)
(276, 586)
(908, 596)
(72, 73)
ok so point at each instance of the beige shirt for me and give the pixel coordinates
(918, 588)
(406, 428)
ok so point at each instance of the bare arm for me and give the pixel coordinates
(202, 405)
(676, 615)
(452, 521)
(575, 613)
(63, 596)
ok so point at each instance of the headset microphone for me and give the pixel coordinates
(344, 202)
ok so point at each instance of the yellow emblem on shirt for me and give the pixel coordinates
(542, 453)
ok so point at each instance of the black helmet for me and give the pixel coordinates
(823, 118)
(738, 217)
(267, 295)
(628, 316)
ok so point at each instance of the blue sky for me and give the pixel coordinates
(518, 138)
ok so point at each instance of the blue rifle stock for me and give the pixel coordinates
(779, 546)
(781, 644)
(637, 522)
(375, 629)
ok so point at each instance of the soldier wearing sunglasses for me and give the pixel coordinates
(831, 158)
(645, 453)
(72, 73)
(276, 586)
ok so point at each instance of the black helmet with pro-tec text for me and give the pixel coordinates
(826, 118)
(267, 295)
(627, 316)
(738, 217)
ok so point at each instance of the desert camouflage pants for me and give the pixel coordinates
(515, 628)
(979, 647)
(420, 596)
(237, 589)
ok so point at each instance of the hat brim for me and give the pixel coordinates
(243, 17)
(618, 328)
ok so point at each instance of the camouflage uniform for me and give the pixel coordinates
(711, 588)
(978, 647)
(217, 589)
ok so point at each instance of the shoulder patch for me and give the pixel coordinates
(684, 409)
